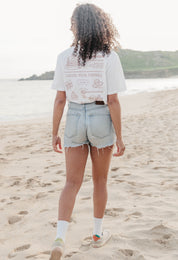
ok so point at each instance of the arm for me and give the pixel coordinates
(59, 105)
(115, 111)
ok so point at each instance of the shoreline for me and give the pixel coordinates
(123, 99)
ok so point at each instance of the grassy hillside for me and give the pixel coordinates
(138, 64)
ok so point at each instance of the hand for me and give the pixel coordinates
(55, 142)
(120, 148)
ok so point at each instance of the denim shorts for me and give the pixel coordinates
(88, 123)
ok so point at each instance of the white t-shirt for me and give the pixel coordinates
(99, 77)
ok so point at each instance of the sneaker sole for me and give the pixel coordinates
(56, 253)
(106, 236)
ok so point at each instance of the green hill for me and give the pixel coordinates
(138, 64)
(148, 64)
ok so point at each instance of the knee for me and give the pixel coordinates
(100, 182)
(73, 185)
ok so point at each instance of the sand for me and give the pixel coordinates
(141, 209)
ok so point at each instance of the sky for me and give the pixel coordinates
(34, 32)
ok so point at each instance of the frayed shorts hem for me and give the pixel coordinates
(74, 145)
(82, 145)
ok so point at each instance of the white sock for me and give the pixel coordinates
(62, 226)
(97, 229)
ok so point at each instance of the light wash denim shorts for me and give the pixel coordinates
(88, 123)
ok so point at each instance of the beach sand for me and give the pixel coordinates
(141, 210)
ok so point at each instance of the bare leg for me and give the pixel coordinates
(100, 168)
(76, 158)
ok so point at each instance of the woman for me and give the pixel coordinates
(88, 74)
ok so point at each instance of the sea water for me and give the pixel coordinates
(21, 100)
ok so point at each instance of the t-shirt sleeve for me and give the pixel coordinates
(58, 80)
(115, 79)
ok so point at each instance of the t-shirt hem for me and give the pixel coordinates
(116, 91)
(56, 88)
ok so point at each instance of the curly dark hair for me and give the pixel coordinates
(93, 31)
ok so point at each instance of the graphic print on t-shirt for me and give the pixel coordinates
(86, 83)
(101, 76)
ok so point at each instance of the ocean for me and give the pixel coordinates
(20, 100)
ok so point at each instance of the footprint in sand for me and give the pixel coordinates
(40, 195)
(147, 194)
(14, 219)
(15, 183)
(118, 181)
(136, 214)
(86, 198)
(114, 176)
(47, 252)
(56, 180)
(22, 248)
(130, 254)
(131, 183)
(113, 211)
(51, 191)
(86, 242)
(71, 253)
(23, 212)
(161, 229)
(43, 210)
(159, 167)
(167, 236)
(53, 223)
(48, 150)
(14, 198)
(44, 184)
(129, 156)
(114, 169)
(127, 252)
(31, 182)
(11, 255)
(162, 242)
(162, 233)
(31, 256)
(60, 172)
(3, 160)
(2, 200)
(137, 193)
(51, 166)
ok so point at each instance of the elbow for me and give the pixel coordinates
(113, 102)
(60, 98)
(60, 102)
(112, 99)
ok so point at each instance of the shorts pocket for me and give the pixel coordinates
(100, 125)
(71, 126)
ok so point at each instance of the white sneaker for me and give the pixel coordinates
(57, 250)
(98, 241)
